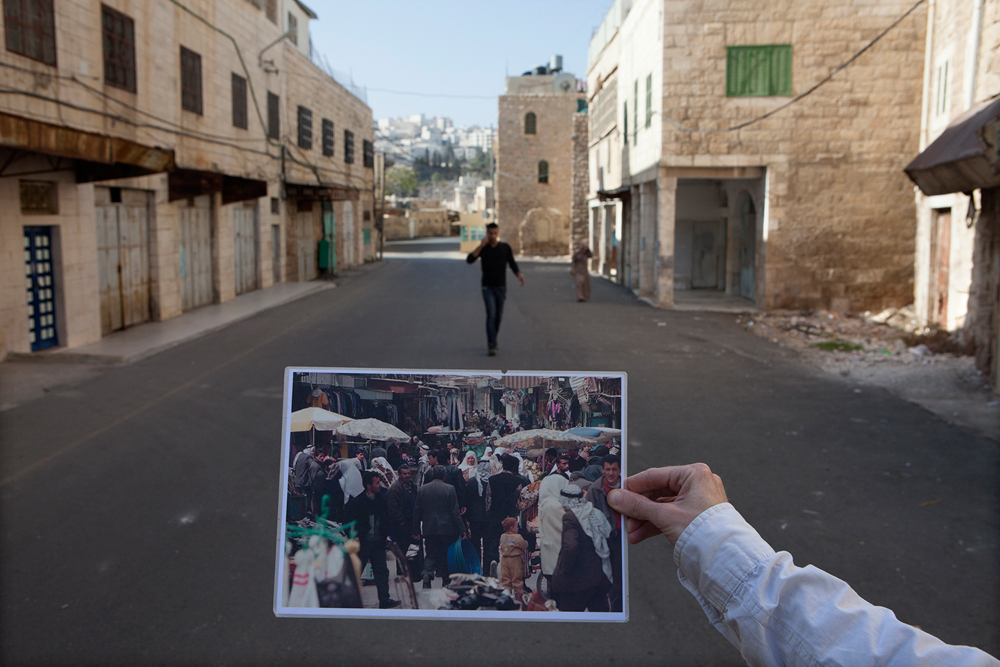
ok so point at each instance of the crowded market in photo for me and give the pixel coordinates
(455, 492)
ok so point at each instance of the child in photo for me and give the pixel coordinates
(513, 549)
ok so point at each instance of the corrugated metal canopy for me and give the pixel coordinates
(964, 157)
(523, 381)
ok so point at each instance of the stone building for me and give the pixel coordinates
(708, 180)
(158, 156)
(957, 261)
(541, 143)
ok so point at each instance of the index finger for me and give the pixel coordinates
(671, 478)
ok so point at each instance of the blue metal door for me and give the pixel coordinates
(40, 287)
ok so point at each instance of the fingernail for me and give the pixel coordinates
(615, 497)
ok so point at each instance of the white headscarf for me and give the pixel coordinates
(350, 480)
(381, 466)
(521, 469)
(594, 523)
(550, 514)
(464, 464)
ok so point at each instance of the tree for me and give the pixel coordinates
(401, 181)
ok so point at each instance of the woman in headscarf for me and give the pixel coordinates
(582, 577)
(477, 503)
(382, 468)
(550, 513)
(521, 470)
(350, 479)
(468, 463)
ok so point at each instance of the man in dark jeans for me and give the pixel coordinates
(496, 256)
(368, 511)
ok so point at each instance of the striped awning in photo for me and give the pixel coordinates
(523, 381)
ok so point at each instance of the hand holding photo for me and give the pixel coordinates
(451, 494)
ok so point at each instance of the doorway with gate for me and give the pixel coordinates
(122, 224)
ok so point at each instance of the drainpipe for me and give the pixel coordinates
(972, 54)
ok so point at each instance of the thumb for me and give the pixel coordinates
(633, 504)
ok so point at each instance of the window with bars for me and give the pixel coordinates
(348, 146)
(191, 81)
(118, 36)
(328, 137)
(649, 100)
(239, 101)
(369, 153)
(273, 116)
(31, 29)
(635, 105)
(293, 27)
(543, 172)
(759, 71)
(305, 138)
(625, 119)
(272, 11)
(530, 123)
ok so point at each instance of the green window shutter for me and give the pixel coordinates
(649, 100)
(635, 104)
(759, 71)
(625, 119)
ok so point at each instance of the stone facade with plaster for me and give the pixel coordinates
(807, 208)
(232, 180)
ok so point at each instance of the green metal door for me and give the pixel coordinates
(329, 235)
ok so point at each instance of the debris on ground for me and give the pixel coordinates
(889, 349)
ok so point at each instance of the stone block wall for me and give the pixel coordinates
(840, 211)
(579, 209)
(535, 217)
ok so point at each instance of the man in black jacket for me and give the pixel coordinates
(437, 510)
(400, 500)
(496, 256)
(368, 511)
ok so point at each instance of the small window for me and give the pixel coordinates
(625, 120)
(941, 99)
(543, 172)
(305, 128)
(293, 27)
(369, 153)
(273, 116)
(274, 206)
(328, 137)
(581, 105)
(119, 49)
(31, 29)
(39, 198)
(272, 11)
(190, 81)
(635, 105)
(649, 100)
(239, 101)
(529, 123)
(759, 71)
(348, 146)
(366, 216)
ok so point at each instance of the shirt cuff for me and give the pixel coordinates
(716, 553)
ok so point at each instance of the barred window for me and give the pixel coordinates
(305, 138)
(293, 27)
(239, 101)
(190, 81)
(31, 29)
(369, 153)
(273, 116)
(118, 32)
(543, 172)
(759, 71)
(272, 11)
(348, 146)
(649, 100)
(328, 137)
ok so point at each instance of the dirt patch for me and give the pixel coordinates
(890, 350)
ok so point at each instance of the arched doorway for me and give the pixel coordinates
(747, 285)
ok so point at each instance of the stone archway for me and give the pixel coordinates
(544, 231)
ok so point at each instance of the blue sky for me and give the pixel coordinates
(450, 47)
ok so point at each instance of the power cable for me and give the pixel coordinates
(803, 95)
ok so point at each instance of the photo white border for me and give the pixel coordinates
(438, 614)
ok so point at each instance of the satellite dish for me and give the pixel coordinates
(565, 85)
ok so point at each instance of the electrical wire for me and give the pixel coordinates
(416, 94)
(813, 89)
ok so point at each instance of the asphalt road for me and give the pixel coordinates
(139, 507)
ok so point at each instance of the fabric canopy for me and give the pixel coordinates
(322, 420)
(372, 429)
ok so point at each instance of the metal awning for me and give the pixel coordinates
(523, 381)
(322, 192)
(624, 192)
(187, 183)
(100, 157)
(964, 157)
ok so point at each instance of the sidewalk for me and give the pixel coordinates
(25, 377)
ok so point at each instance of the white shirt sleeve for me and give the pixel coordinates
(777, 613)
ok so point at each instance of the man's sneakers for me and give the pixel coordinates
(427, 581)
(492, 352)
(389, 604)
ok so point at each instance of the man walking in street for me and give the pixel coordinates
(496, 256)
(400, 500)
(436, 517)
(368, 511)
